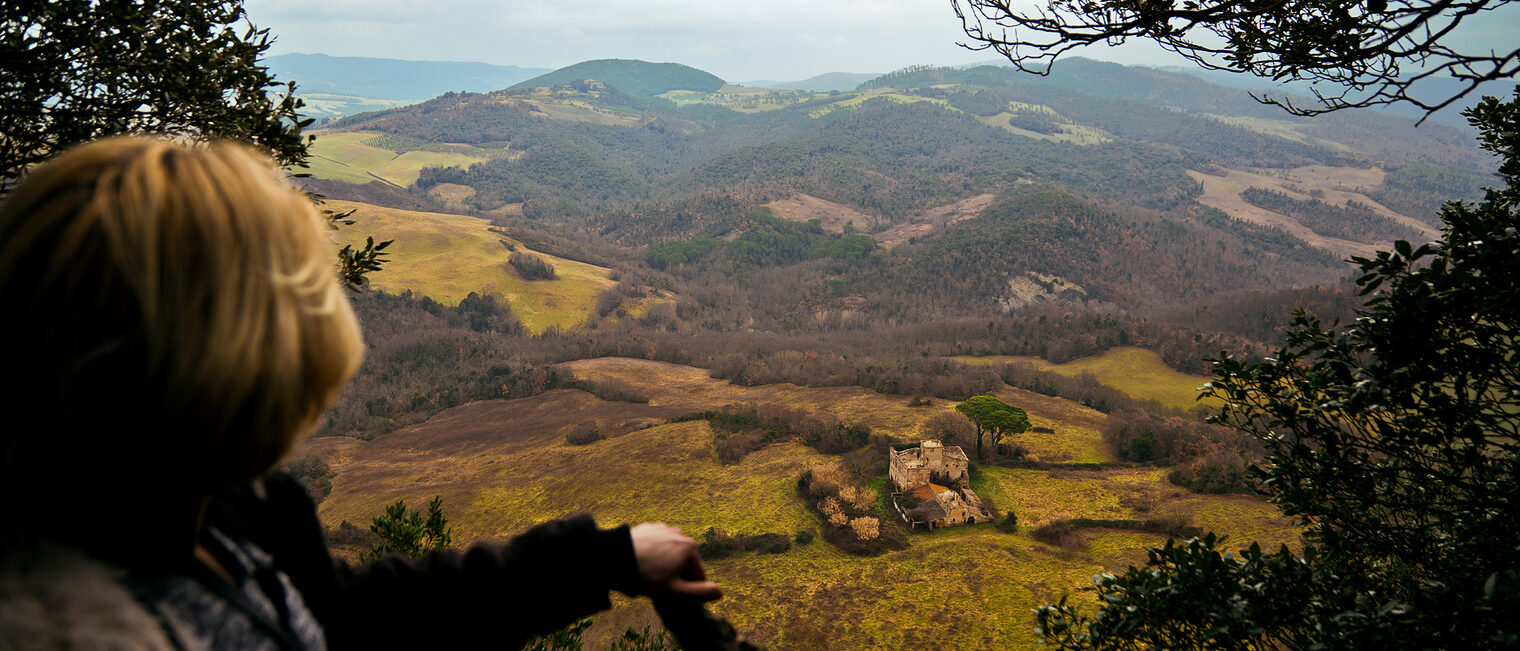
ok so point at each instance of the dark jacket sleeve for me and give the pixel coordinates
(537, 582)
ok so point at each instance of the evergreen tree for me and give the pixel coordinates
(405, 531)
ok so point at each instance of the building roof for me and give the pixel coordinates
(923, 492)
(929, 511)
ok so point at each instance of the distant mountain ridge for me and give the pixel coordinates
(630, 76)
(819, 83)
(392, 78)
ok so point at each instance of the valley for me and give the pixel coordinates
(502, 466)
(638, 290)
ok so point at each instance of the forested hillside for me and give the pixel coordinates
(628, 251)
(1094, 174)
(630, 76)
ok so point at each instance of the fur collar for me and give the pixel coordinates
(56, 600)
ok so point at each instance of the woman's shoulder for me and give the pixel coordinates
(58, 598)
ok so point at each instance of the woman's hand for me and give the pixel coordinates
(669, 563)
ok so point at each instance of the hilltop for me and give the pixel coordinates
(975, 191)
(742, 269)
(630, 76)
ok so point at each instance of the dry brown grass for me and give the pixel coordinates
(446, 256)
(935, 218)
(1139, 373)
(833, 216)
(1337, 185)
(502, 466)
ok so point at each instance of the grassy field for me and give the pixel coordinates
(448, 256)
(934, 218)
(580, 111)
(353, 156)
(866, 96)
(1139, 373)
(743, 99)
(1076, 134)
(832, 216)
(1287, 129)
(502, 466)
(1333, 185)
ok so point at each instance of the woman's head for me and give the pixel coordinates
(174, 316)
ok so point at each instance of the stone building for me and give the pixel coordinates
(930, 461)
(932, 479)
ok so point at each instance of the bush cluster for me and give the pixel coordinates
(1210, 458)
(1060, 534)
(741, 429)
(531, 267)
(716, 543)
(584, 434)
(313, 473)
(854, 529)
(612, 390)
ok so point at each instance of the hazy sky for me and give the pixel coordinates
(738, 41)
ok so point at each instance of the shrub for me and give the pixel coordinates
(768, 543)
(531, 267)
(1009, 523)
(1059, 533)
(838, 438)
(346, 533)
(804, 537)
(868, 461)
(1220, 471)
(314, 475)
(866, 528)
(715, 544)
(731, 448)
(740, 430)
(612, 390)
(847, 526)
(608, 301)
(584, 434)
(1175, 526)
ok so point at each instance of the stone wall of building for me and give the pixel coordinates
(921, 470)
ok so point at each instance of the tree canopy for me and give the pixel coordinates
(993, 418)
(1370, 53)
(1394, 440)
(76, 70)
(72, 71)
(405, 531)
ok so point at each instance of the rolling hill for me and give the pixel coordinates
(1091, 173)
(446, 257)
(1139, 373)
(887, 247)
(630, 76)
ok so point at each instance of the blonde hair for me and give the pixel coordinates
(185, 290)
